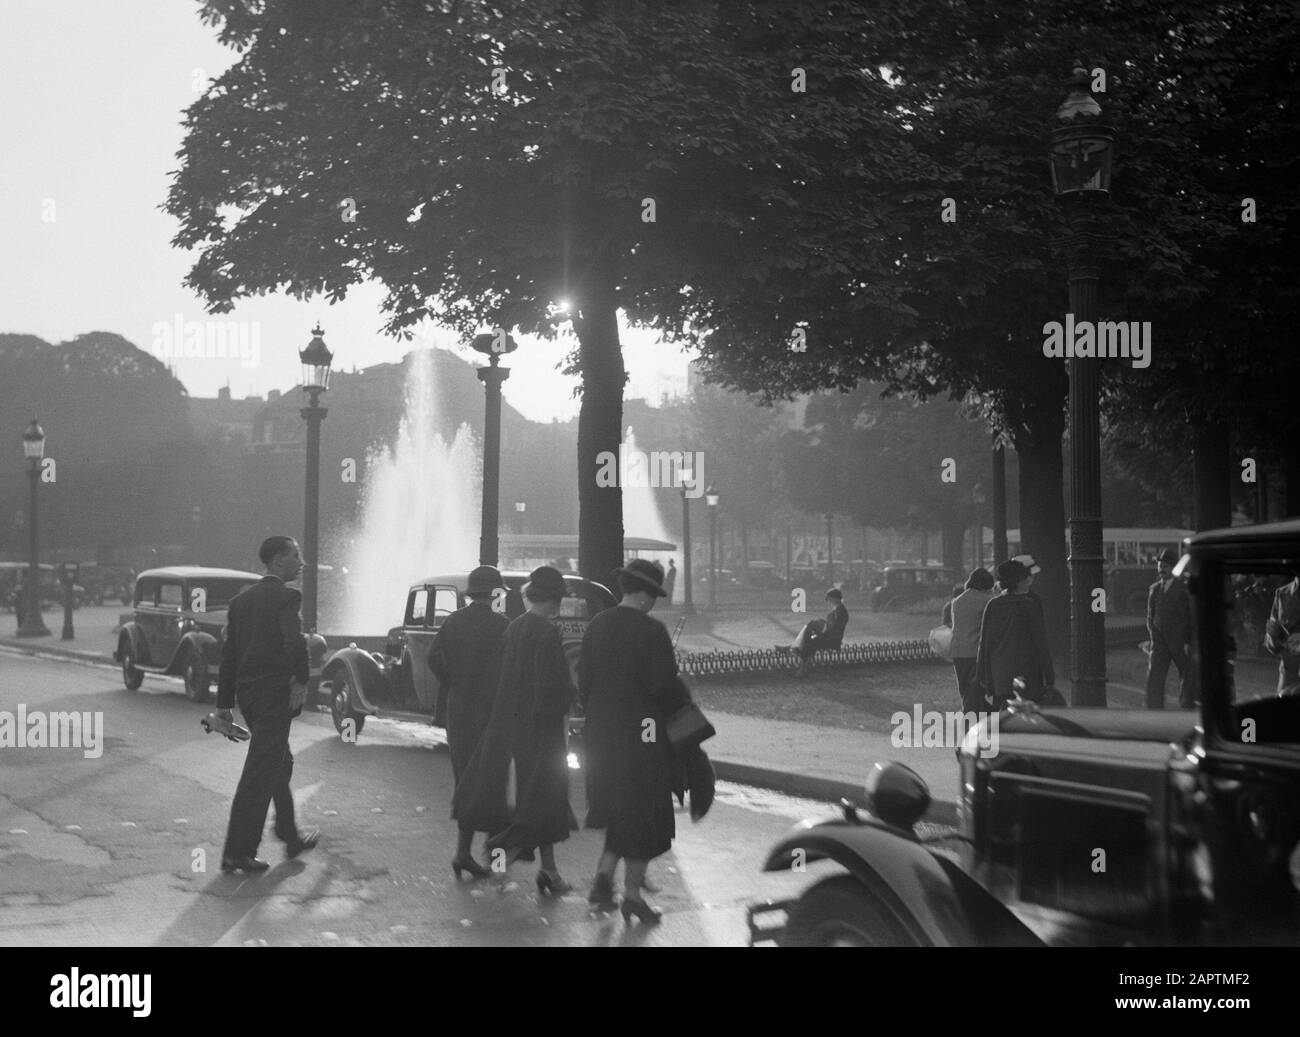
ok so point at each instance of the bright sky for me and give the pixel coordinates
(93, 97)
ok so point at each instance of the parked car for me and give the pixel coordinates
(398, 683)
(1094, 826)
(177, 625)
(900, 585)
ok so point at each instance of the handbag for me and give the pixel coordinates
(688, 727)
(941, 642)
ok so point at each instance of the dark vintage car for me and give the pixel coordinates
(177, 623)
(397, 682)
(1096, 826)
(901, 585)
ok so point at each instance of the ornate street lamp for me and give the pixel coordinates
(711, 499)
(492, 344)
(685, 476)
(977, 498)
(1080, 156)
(34, 452)
(520, 508)
(316, 360)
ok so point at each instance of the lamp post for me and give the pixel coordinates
(316, 359)
(830, 551)
(977, 498)
(196, 517)
(34, 451)
(1080, 156)
(686, 476)
(520, 508)
(711, 499)
(999, 504)
(492, 344)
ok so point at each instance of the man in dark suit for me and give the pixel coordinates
(264, 667)
(822, 635)
(1169, 625)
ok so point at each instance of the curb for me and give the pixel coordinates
(809, 786)
(41, 647)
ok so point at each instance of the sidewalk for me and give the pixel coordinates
(822, 763)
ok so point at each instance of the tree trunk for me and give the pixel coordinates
(1038, 439)
(1210, 463)
(954, 543)
(600, 421)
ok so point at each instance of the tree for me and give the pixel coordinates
(488, 163)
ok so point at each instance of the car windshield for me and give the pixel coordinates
(221, 591)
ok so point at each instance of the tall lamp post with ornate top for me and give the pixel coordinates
(492, 344)
(34, 451)
(1080, 155)
(316, 360)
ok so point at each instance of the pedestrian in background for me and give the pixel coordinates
(1013, 640)
(265, 669)
(627, 685)
(527, 728)
(967, 615)
(822, 635)
(1282, 624)
(465, 657)
(670, 580)
(1169, 625)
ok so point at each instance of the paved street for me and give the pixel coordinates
(111, 850)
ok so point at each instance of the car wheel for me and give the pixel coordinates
(131, 676)
(839, 912)
(198, 685)
(341, 705)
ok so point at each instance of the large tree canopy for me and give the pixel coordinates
(653, 158)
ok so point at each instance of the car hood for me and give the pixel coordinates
(1137, 725)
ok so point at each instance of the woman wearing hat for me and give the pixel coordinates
(1013, 640)
(626, 681)
(527, 727)
(466, 658)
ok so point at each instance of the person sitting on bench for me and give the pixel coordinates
(822, 634)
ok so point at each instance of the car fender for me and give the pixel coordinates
(930, 899)
(194, 641)
(364, 674)
(132, 632)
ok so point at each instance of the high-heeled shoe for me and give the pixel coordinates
(601, 896)
(550, 883)
(646, 914)
(469, 864)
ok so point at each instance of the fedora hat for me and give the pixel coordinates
(1028, 562)
(484, 580)
(1169, 555)
(651, 574)
(545, 582)
(1010, 573)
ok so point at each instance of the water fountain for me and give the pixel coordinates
(420, 511)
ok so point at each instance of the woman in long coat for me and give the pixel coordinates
(626, 684)
(1013, 639)
(527, 727)
(466, 658)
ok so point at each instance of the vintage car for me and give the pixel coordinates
(397, 682)
(177, 623)
(901, 585)
(1096, 826)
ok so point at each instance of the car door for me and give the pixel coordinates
(167, 622)
(145, 616)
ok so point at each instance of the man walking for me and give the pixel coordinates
(1169, 626)
(264, 667)
(1282, 625)
(670, 580)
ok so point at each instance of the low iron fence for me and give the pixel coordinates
(779, 660)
